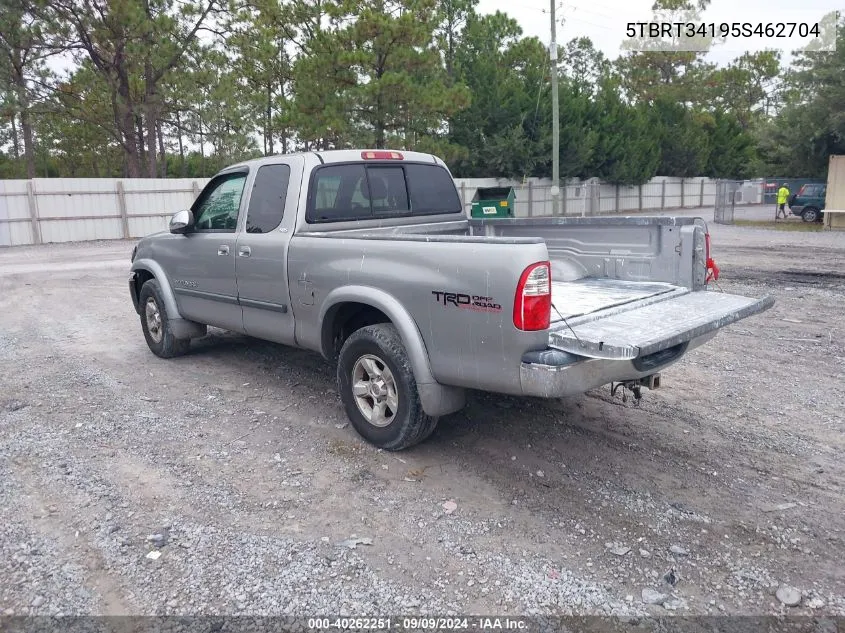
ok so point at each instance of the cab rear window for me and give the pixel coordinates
(358, 191)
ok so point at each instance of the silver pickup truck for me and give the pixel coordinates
(368, 257)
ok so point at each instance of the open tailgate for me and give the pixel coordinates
(644, 330)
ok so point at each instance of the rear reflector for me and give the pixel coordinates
(382, 155)
(711, 269)
(532, 303)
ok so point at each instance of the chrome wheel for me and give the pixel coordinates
(374, 388)
(153, 316)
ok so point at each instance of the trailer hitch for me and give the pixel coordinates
(629, 385)
(635, 387)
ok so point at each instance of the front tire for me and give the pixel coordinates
(156, 323)
(378, 389)
(810, 215)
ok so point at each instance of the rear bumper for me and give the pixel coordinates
(551, 373)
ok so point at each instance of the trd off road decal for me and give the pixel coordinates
(466, 302)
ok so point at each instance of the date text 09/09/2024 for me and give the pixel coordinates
(419, 623)
(722, 29)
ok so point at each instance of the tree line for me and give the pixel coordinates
(167, 88)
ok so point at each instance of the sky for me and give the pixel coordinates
(604, 21)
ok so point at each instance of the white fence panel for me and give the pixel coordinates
(576, 199)
(652, 195)
(692, 191)
(151, 202)
(75, 209)
(521, 206)
(160, 196)
(710, 188)
(672, 198)
(140, 227)
(15, 222)
(78, 209)
(606, 199)
(628, 198)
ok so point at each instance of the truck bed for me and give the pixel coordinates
(644, 250)
(590, 295)
(623, 288)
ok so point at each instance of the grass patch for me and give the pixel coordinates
(805, 227)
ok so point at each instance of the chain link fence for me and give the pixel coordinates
(725, 203)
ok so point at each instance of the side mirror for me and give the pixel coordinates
(182, 221)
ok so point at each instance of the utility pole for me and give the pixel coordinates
(555, 191)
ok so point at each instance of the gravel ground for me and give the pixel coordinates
(228, 481)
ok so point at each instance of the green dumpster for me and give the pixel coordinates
(493, 202)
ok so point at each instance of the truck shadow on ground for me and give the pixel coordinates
(485, 412)
(505, 439)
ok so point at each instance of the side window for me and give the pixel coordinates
(267, 203)
(432, 190)
(388, 193)
(339, 192)
(217, 207)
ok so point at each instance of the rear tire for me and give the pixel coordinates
(378, 389)
(156, 323)
(810, 214)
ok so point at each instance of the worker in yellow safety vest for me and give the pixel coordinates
(783, 196)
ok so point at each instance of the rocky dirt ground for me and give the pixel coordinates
(228, 481)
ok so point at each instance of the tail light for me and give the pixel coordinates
(532, 305)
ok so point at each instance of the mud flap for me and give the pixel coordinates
(655, 327)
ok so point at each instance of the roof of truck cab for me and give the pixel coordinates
(341, 156)
(351, 155)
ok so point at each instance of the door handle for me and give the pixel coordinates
(223, 249)
(244, 251)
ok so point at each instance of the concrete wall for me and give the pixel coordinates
(77, 209)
